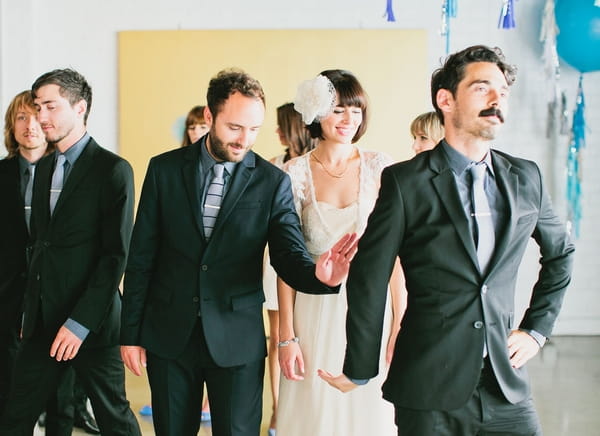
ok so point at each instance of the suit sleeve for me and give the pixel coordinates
(287, 249)
(556, 250)
(367, 286)
(142, 256)
(116, 200)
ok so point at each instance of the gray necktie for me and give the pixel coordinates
(214, 197)
(57, 181)
(30, 172)
(485, 238)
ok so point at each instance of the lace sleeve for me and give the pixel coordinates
(298, 172)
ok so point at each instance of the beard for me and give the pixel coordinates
(220, 149)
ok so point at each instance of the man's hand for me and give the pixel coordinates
(134, 358)
(290, 357)
(65, 345)
(333, 265)
(521, 347)
(341, 382)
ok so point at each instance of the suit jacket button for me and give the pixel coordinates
(204, 267)
(478, 324)
(195, 299)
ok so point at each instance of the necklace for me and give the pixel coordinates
(330, 174)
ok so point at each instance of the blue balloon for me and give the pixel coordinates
(578, 40)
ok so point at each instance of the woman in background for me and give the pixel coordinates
(335, 187)
(427, 130)
(297, 140)
(195, 126)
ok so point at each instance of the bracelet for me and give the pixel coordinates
(288, 342)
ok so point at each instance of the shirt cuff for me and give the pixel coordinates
(359, 381)
(77, 329)
(539, 338)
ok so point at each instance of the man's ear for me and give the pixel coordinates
(444, 100)
(208, 116)
(81, 107)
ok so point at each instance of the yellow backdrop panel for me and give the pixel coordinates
(163, 74)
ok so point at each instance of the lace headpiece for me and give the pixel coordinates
(315, 99)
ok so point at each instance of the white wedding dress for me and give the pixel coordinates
(311, 407)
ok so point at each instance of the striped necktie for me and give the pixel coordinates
(57, 181)
(30, 172)
(214, 197)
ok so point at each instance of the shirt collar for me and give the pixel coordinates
(24, 164)
(74, 151)
(459, 162)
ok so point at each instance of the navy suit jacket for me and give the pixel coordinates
(14, 242)
(79, 252)
(452, 307)
(174, 275)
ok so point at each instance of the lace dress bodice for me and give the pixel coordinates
(322, 223)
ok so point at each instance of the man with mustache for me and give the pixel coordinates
(459, 217)
(192, 303)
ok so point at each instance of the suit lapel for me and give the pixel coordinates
(239, 182)
(445, 186)
(508, 184)
(192, 174)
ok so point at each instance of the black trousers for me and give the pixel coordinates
(177, 388)
(36, 376)
(487, 413)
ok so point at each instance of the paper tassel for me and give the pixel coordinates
(548, 32)
(449, 8)
(389, 11)
(507, 15)
(576, 145)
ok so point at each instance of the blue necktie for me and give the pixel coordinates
(30, 172)
(214, 197)
(486, 237)
(57, 181)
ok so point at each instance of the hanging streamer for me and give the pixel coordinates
(577, 143)
(448, 11)
(389, 11)
(548, 33)
(507, 15)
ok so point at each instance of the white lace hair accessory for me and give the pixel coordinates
(315, 99)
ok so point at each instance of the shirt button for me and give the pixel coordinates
(195, 299)
(478, 324)
(204, 267)
(484, 289)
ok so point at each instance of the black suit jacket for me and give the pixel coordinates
(14, 242)
(173, 274)
(79, 252)
(451, 305)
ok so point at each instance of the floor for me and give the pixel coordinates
(566, 389)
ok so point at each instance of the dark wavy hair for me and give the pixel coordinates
(227, 82)
(73, 87)
(453, 71)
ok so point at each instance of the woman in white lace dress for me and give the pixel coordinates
(335, 187)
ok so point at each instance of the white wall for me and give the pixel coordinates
(36, 36)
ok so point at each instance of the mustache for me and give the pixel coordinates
(493, 111)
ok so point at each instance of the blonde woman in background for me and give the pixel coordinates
(297, 140)
(427, 130)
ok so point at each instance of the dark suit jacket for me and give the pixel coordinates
(451, 305)
(173, 274)
(80, 251)
(14, 240)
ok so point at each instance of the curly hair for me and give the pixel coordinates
(227, 82)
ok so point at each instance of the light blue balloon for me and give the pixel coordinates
(578, 40)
